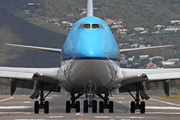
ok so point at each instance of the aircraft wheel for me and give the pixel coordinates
(36, 107)
(46, 107)
(94, 109)
(77, 106)
(85, 106)
(111, 105)
(68, 107)
(142, 106)
(101, 107)
(132, 107)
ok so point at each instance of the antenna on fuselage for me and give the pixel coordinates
(89, 10)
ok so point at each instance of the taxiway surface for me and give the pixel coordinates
(20, 107)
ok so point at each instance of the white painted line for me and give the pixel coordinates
(27, 102)
(162, 113)
(118, 117)
(7, 99)
(131, 117)
(164, 102)
(79, 114)
(16, 113)
(111, 97)
(163, 108)
(15, 107)
(120, 102)
(54, 95)
(48, 97)
(55, 117)
(29, 119)
(121, 98)
(102, 117)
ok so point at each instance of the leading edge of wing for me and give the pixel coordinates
(145, 48)
(150, 74)
(48, 75)
(36, 48)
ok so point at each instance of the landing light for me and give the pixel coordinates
(139, 75)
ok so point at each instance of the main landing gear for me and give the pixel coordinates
(104, 104)
(89, 102)
(73, 104)
(137, 104)
(43, 104)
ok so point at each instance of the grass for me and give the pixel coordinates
(171, 96)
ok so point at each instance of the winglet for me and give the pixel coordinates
(89, 10)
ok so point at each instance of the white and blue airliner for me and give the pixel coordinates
(90, 65)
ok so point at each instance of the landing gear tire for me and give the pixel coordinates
(46, 107)
(68, 107)
(132, 109)
(94, 109)
(111, 104)
(142, 107)
(36, 107)
(101, 107)
(85, 106)
(77, 106)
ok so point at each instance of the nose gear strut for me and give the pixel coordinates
(92, 103)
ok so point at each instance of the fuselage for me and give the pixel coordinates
(88, 53)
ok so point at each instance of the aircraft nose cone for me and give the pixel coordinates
(91, 44)
(91, 51)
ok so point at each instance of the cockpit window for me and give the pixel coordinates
(95, 26)
(86, 26)
(91, 26)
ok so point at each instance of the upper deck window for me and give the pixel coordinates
(91, 26)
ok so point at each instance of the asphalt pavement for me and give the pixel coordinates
(20, 107)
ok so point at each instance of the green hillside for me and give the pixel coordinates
(146, 13)
(15, 30)
(32, 29)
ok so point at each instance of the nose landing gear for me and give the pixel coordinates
(92, 103)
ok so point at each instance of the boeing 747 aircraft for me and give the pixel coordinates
(90, 65)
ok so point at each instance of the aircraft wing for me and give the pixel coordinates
(150, 79)
(36, 48)
(145, 48)
(29, 78)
